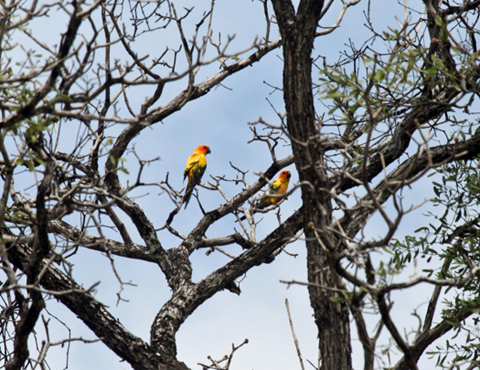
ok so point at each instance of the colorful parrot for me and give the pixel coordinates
(194, 170)
(278, 187)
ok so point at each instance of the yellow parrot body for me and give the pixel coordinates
(277, 187)
(194, 170)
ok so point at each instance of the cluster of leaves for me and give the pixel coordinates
(452, 242)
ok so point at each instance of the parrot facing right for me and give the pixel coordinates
(278, 187)
(194, 170)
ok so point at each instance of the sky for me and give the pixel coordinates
(220, 120)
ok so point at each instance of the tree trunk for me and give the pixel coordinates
(298, 33)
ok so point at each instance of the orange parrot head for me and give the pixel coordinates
(203, 149)
(285, 175)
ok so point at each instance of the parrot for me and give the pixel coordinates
(278, 187)
(194, 170)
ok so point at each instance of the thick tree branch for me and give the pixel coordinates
(80, 238)
(407, 173)
(189, 296)
(95, 315)
(426, 338)
(41, 247)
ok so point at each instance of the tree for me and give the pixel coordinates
(388, 117)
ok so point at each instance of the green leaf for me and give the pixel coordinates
(379, 75)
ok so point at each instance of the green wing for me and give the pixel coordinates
(266, 200)
(197, 173)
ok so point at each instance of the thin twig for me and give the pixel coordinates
(295, 340)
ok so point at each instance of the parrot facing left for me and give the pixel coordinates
(194, 170)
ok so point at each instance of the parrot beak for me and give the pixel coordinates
(289, 175)
(208, 151)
